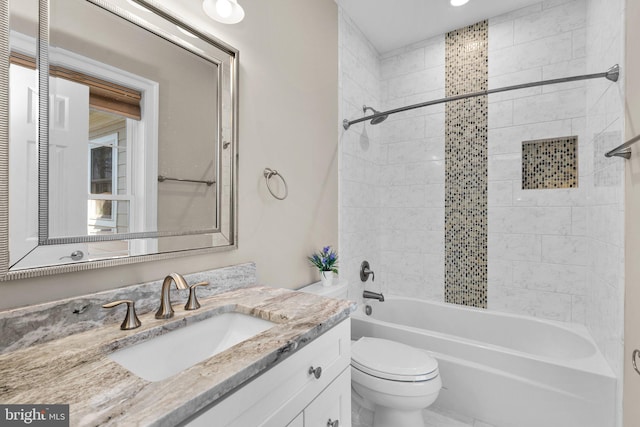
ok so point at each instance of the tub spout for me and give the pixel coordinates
(373, 295)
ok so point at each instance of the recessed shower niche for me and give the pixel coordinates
(550, 163)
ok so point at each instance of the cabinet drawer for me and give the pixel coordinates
(274, 398)
(333, 405)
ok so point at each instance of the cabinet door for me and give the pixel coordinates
(333, 404)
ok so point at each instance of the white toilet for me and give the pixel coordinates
(395, 380)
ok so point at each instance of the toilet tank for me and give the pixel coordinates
(338, 290)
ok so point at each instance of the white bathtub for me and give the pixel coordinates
(504, 369)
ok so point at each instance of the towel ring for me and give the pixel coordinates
(268, 174)
(634, 355)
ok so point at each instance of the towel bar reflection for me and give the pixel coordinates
(162, 178)
(270, 173)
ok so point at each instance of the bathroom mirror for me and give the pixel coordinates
(122, 136)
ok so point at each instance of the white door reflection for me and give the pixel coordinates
(23, 168)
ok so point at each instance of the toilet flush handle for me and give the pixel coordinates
(335, 423)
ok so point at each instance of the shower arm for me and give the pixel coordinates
(611, 74)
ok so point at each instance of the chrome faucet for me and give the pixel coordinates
(166, 311)
(373, 295)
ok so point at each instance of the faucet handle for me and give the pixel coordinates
(365, 272)
(131, 320)
(192, 302)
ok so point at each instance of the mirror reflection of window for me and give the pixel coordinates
(103, 168)
(102, 160)
(109, 157)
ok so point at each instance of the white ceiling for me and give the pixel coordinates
(390, 24)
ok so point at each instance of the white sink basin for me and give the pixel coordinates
(161, 357)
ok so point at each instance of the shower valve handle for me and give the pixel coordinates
(365, 272)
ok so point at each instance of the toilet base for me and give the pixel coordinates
(389, 417)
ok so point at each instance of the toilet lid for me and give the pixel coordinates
(392, 360)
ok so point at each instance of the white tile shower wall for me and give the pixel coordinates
(412, 187)
(361, 156)
(537, 245)
(552, 253)
(604, 302)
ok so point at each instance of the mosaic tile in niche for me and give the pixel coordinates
(550, 163)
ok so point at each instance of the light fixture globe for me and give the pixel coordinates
(225, 11)
(458, 2)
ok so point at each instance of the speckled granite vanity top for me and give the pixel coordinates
(76, 370)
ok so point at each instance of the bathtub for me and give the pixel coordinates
(503, 369)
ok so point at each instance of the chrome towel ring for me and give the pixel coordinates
(270, 173)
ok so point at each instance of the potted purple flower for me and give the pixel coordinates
(327, 262)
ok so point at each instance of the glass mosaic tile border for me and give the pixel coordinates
(466, 134)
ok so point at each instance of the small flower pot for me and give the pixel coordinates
(327, 278)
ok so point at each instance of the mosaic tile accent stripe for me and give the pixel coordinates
(466, 129)
(550, 163)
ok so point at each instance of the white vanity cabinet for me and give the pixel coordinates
(332, 408)
(311, 388)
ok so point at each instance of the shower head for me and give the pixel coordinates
(375, 120)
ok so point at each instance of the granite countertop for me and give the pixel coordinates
(75, 370)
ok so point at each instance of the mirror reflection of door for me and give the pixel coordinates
(68, 151)
(23, 168)
(68, 130)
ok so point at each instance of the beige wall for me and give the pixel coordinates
(288, 121)
(632, 218)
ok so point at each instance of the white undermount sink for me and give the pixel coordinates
(161, 357)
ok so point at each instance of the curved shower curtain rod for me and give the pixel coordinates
(611, 74)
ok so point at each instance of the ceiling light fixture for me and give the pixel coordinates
(225, 11)
(458, 2)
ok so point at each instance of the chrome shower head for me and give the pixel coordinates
(375, 120)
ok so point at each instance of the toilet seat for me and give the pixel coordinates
(392, 360)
